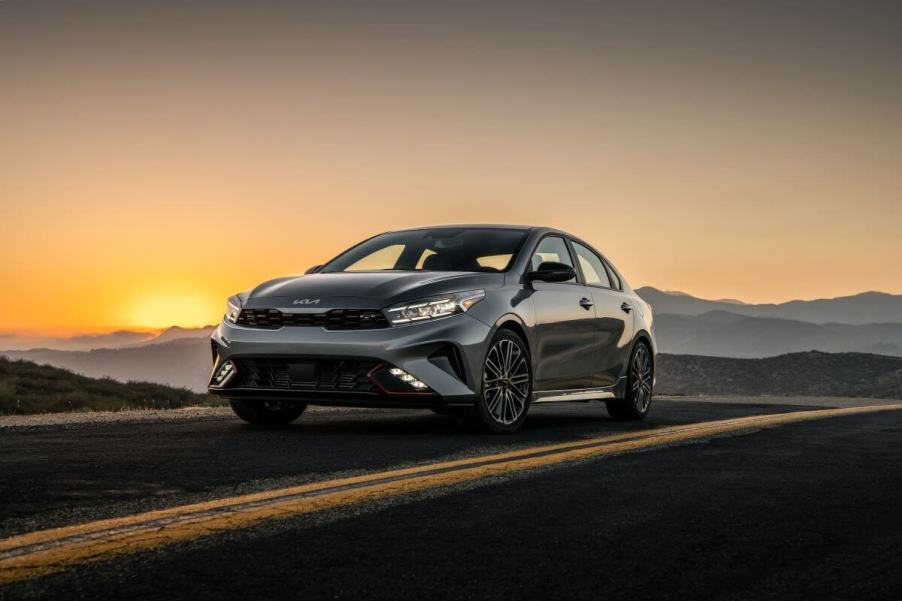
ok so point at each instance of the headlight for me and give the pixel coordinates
(233, 308)
(433, 308)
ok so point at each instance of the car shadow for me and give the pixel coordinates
(544, 423)
(549, 422)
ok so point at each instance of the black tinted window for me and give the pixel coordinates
(439, 249)
(592, 266)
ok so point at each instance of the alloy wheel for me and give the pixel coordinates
(641, 379)
(506, 381)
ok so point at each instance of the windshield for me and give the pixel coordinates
(440, 249)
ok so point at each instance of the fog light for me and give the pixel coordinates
(223, 374)
(406, 378)
(394, 380)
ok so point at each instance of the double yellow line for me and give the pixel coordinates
(47, 551)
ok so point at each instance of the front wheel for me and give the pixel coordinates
(506, 385)
(269, 413)
(638, 387)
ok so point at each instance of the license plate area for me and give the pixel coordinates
(302, 374)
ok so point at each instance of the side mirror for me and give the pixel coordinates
(549, 271)
(314, 269)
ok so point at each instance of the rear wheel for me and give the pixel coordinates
(638, 387)
(506, 385)
(269, 413)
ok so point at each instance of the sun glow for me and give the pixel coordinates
(167, 309)
(149, 171)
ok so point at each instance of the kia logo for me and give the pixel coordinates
(305, 301)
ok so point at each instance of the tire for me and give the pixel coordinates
(506, 388)
(639, 384)
(267, 413)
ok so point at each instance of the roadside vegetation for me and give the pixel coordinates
(796, 374)
(27, 387)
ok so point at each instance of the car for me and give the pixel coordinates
(476, 321)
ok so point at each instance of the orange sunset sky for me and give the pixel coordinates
(156, 157)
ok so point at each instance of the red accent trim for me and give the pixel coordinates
(385, 390)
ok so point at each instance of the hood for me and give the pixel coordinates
(364, 290)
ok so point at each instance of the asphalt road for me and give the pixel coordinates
(799, 511)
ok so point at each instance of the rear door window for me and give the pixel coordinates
(592, 266)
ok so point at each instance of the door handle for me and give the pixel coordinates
(626, 307)
(585, 303)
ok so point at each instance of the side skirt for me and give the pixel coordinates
(581, 394)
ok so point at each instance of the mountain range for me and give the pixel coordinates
(181, 363)
(724, 334)
(86, 342)
(869, 323)
(864, 308)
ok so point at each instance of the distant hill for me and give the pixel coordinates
(26, 387)
(864, 308)
(83, 342)
(178, 333)
(814, 374)
(185, 362)
(728, 334)
(87, 342)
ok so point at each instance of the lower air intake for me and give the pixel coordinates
(333, 375)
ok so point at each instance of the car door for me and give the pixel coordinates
(566, 349)
(613, 315)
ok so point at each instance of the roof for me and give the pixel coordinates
(499, 226)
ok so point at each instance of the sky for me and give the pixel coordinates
(156, 157)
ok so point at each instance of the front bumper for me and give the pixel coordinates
(417, 349)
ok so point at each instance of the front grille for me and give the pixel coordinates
(339, 375)
(336, 319)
